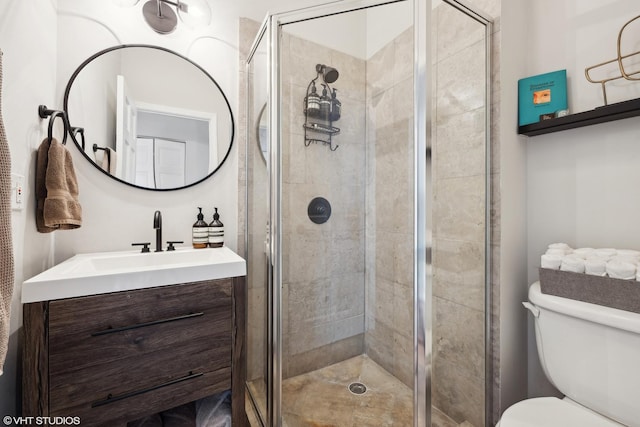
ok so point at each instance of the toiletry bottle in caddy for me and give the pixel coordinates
(216, 231)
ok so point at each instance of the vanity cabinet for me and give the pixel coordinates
(117, 357)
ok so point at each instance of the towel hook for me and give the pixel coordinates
(44, 112)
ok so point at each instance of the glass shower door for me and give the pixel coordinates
(342, 296)
(257, 229)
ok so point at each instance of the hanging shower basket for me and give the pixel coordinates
(320, 111)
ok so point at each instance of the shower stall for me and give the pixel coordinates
(367, 220)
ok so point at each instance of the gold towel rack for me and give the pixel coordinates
(619, 59)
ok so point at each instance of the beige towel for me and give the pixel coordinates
(109, 160)
(57, 206)
(6, 244)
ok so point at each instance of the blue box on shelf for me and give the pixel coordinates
(541, 95)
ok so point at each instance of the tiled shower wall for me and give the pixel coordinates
(459, 184)
(389, 221)
(323, 264)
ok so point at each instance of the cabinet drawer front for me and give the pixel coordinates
(120, 343)
(146, 401)
(78, 318)
(211, 328)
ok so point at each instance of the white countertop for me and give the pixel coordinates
(105, 272)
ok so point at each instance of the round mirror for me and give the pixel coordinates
(262, 131)
(149, 117)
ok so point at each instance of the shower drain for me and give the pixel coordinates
(357, 388)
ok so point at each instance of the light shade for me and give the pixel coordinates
(194, 13)
(159, 16)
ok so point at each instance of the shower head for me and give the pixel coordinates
(329, 74)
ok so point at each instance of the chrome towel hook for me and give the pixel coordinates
(44, 112)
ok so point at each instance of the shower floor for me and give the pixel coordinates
(322, 398)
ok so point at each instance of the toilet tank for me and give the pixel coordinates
(591, 353)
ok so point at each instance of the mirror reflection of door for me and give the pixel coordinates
(169, 163)
(144, 163)
(126, 132)
(160, 163)
(168, 139)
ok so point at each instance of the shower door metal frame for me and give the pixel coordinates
(423, 197)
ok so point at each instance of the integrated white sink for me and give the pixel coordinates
(104, 272)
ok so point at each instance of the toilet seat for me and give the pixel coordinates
(552, 412)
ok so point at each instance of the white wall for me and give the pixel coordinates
(29, 79)
(513, 215)
(582, 184)
(116, 215)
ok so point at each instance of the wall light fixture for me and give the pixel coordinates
(163, 20)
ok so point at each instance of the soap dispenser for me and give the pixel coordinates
(200, 232)
(336, 107)
(312, 102)
(216, 231)
(325, 103)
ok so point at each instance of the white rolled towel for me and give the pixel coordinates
(606, 252)
(621, 270)
(625, 258)
(551, 261)
(573, 264)
(584, 252)
(557, 252)
(629, 253)
(561, 249)
(595, 266)
(562, 246)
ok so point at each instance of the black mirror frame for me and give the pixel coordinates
(104, 51)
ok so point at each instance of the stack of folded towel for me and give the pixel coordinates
(615, 263)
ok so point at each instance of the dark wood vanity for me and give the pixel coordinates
(117, 357)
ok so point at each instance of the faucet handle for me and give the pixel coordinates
(145, 246)
(170, 243)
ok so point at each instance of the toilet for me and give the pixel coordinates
(591, 353)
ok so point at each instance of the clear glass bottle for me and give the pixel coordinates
(216, 231)
(200, 232)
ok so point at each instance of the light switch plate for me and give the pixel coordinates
(17, 192)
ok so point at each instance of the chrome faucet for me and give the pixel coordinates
(157, 225)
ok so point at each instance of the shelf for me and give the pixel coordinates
(607, 113)
(326, 129)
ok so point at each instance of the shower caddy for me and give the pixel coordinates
(321, 111)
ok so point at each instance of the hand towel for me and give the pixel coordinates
(628, 253)
(621, 270)
(584, 252)
(558, 252)
(573, 264)
(550, 261)
(109, 161)
(625, 258)
(562, 246)
(606, 252)
(6, 243)
(595, 266)
(57, 206)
